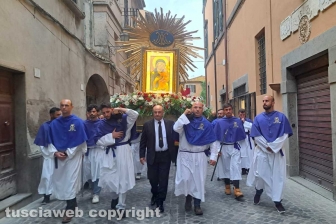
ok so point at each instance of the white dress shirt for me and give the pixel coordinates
(164, 136)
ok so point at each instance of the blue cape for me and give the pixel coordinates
(215, 121)
(134, 133)
(91, 127)
(271, 126)
(248, 120)
(107, 127)
(67, 132)
(230, 128)
(42, 137)
(199, 132)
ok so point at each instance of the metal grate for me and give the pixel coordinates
(218, 17)
(206, 53)
(129, 15)
(262, 63)
(241, 90)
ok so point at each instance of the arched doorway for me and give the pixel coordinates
(96, 91)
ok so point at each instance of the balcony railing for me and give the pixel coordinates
(129, 16)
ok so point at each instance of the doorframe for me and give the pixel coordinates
(20, 122)
(322, 44)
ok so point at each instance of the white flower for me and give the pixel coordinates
(141, 98)
(126, 103)
(188, 99)
(166, 99)
(117, 101)
(159, 100)
(135, 97)
(150, 103)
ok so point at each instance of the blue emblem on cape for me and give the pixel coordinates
(161, 38)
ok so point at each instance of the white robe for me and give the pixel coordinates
(45, 186)
(138, 167)
(246, 161)
(231, 160)
(117, 173)
(191, 167)
(92, 163)
(66, 179)
(268, 170)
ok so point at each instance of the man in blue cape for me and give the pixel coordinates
(231, 135)
(270, 130)
(94, 153)
(68, 144)
(196, 136)
(42, 140)
(246, 161)
(117, 168)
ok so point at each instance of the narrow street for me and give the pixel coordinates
(302, 205)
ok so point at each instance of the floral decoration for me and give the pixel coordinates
(142, 102)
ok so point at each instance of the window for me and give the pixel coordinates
(247, 102)
(192, 88)
(117, 80)
(239, 91)
(218, 17)
(262, 63)
(208, 96)
(206, 41)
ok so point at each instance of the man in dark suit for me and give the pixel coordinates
(158, 139)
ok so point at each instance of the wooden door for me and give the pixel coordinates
(7, 146)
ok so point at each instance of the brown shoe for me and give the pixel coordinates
(238, 193)
(198, 210)
(66, 219)
(228, 189)
(187, 205)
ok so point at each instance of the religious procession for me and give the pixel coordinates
(115, 111)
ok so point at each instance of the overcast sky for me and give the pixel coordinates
(192, 10)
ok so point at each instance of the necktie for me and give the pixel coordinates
(160, 135)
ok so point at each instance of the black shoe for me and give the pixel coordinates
(256, 199)
(187, 205)
(218, 179)
(46, 200)
(160, 207)
(86, 185)
(244, 171)
(114, 203)
(198, 210)
(279, 207)
(153, 200)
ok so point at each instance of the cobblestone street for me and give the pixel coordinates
(302, 204)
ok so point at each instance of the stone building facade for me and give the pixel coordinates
(50, 50)
(286, 49)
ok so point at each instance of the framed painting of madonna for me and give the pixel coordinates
(159, 71)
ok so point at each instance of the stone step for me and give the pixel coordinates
(16, 201)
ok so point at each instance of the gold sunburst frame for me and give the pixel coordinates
(139, 42)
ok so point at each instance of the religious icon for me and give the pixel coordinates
(276, 120)
(159, 71)
(72, 127)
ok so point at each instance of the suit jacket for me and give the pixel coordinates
(148, 140)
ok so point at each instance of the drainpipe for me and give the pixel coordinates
(215, 71)
(226, 58)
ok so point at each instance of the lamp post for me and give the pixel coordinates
(124, 36)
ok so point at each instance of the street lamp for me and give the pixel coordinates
(124, 36)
